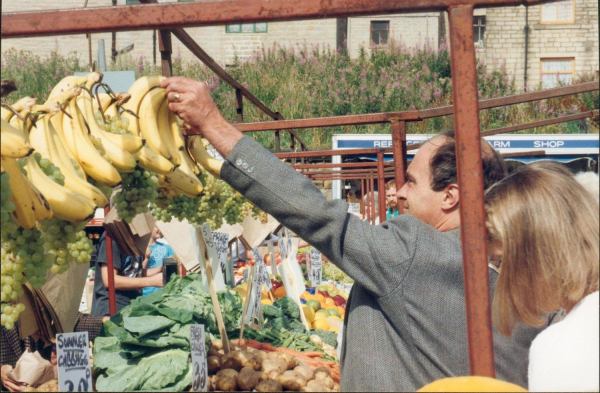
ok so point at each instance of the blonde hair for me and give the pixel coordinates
(547, 226)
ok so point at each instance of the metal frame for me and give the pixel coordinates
(175, 16)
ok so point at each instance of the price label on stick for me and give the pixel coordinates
(261, 270)
(308, 263)
(221, 239)
(73, 354)
(273, 260)
(246, 274)
(316, 267)
(199, 366)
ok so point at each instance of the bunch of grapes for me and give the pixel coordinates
(97, 142)
(138, 190)
(7, 209)
(233, 208)
(64, 243)
(52, 171)
(114, 124)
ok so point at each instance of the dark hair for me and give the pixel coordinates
(443, 163)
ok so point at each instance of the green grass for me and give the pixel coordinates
(302, 82)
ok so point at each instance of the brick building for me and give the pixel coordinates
(554, 43)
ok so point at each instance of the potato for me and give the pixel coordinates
(247, 379)
(336, 387)
(50, 386)
(214, 352)
(262, 376)
(272, 355)
(214, 364)
(252, 360)
(291, 380)
(262, 355)
(216, 344)
(306, 372)
(268, 386)
(232, 360)
(227, 384)
(321, 373)
(29, 389)
(227, 372)
(274, 367)
(327, 382)
(314, 387)
(289, 360)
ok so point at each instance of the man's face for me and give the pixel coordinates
(390, 198)
(417, 196)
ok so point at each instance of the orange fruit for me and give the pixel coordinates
(329, 302)
(320, 298)
(266, 301)
(280, 292)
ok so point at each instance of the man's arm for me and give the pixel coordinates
(377, 257)
(130, 283)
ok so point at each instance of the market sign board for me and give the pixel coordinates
(199, 365)
(73, 354)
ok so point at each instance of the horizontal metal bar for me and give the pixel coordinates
(526, 126)
(342, 171)
(329, 153)
(211, 13)
(525, 154)
(366, 164)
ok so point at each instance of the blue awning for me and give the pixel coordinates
(524, 159)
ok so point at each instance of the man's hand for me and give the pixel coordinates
(8, 382)
(156, 280)
(192, 102)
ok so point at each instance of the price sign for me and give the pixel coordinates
(199, 367)
(246, 274)
(254, 307)
(261, 273)
(288, 236)
(73, 354)
(316, 269)
(273, 260)
(283, 248)
(308, 263)
(210, 253)
(221, 239)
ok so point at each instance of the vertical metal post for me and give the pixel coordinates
(381, 186)
(362, 197)
(367, 203)
(277, 142)
(183, 271)
(470, 182)
(110, 268)
(373, 211)
(400, 159)
(164, 46)
(239, 105)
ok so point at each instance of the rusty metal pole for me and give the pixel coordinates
(367, 203)
(470, 183)
(400, 159)
(110, 267)
(362, 197)
(164, 46)
(372, 197)
(381, 187)
(239, 105)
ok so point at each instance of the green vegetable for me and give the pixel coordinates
(270, 311)
(289, 307)
(327, 336)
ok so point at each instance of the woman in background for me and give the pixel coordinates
(543, 231)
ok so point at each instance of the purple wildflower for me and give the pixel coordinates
(437, 93)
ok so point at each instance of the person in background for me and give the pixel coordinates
(407, 304)
(13, 347)
(157, 250)
(128, 284)
(543, 227)
(369, 210)
(391, 201)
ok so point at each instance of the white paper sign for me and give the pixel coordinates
(221, 240)
(316, 269)
(246, 274)
(199, 367)
(283, 248)
(260, 270)
(204, 232)
(73, 355)
(273, 260)
(254, 307)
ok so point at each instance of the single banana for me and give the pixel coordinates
(69, 82)
(22, 198)
(24, 103)
(152, 161)
(46, 135)
(65, 204)
(40, 204)
(121, 158)
(189, 184)
(198, 152)
(164, 129)
(137, 91)
(84, 150)
(180, 144)
(59, 139)
(149, 121)
(13, 143)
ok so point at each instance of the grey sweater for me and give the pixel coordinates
(405, 322)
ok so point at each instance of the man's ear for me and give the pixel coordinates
(451, 197)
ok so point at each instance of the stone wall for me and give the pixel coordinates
(505, 40)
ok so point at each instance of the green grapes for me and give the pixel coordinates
(115, 124)
(52, 171)
(7, 209)
(138, 190)
(64, 243)
(97, 142)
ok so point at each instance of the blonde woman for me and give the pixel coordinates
(543, 227)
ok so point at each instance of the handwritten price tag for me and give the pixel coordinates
(199, 367)
(73, 353)
(261, 270)
(316, 267)
(211, 252)
(221, 239)
(273, 260)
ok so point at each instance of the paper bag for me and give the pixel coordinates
(63, 292)
(32, 369)
(255, 231)
(179, 237)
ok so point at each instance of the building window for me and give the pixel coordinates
(379, 32)
(559, 12)
(247, 28)
(479, 30)
(557, 72)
